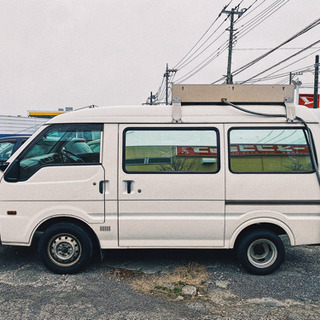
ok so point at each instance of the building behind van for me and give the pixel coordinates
(223, 167)
(18, 125)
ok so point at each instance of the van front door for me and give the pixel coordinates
(57, 175)
(171, 186)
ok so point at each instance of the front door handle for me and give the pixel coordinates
(102, 186)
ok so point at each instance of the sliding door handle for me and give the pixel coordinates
(128, 185)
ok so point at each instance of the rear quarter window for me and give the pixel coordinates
(269, 150)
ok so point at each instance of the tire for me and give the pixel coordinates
(65, 248)
(261, 252)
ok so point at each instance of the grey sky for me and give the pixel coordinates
(58, 53)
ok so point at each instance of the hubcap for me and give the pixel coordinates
(64, 250)
(262, 253)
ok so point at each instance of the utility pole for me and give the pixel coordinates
(167, 75)
(316, 82)
(231, 13)
(151, 99)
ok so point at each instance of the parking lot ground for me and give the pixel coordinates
(109, 290)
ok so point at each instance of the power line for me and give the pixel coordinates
(178, 65)
(261, 17)
(213, 55)
(204, 63)
(251, 11)
(286, 59)
(267, 77)
(250, 64)
(192, 57)
(263, 49)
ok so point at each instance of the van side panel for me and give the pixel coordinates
(290, 200)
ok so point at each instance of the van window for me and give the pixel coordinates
(62, 145)
(269, 150)
(188, 150)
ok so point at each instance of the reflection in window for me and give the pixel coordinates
(269, 150)
(171, 150)
(62, 145)
(6, 149)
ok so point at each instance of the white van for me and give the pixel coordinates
(190, 176)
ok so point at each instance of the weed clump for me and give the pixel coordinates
(187, 282)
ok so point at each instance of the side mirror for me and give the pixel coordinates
(13, 172)
(4, 165)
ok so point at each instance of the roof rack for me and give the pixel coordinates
(207, 94)
(238, 93)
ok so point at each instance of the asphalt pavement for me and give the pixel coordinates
(105, 291)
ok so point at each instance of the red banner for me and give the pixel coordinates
(245, 149)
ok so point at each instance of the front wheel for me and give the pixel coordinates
(65, 248)
(261, 252)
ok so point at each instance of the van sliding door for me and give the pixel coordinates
(171, 186)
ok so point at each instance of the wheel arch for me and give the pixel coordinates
(52, 221)
(276, 226)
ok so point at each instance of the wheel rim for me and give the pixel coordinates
(262, 253)
(64, 250)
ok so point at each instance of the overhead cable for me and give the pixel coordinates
(250, 64)
(269, 76)
(282, 61)
(178, 65)
(202, 51)
(264, 49)
(248, 8)
(303, 31)
(273, 76)
(204, 63)
(261, 17)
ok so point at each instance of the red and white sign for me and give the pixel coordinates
(268, 149)
(246, 150)
(307, 100)
(197, 151)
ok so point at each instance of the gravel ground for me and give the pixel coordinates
(29, 291)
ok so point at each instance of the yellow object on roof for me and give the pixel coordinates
(45, 114)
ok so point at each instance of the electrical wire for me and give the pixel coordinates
(204, 63)
(303, 31)
(209, 58)
(251, 11)
(264, 49)
(251, 63)
(258, 16)
(182, 62)
(192, 57)
(258, 20)
(213, 55)
(294, 62)
(269, 76)
(277, 64)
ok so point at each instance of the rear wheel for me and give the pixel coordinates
(65, 248)
(261, 252)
